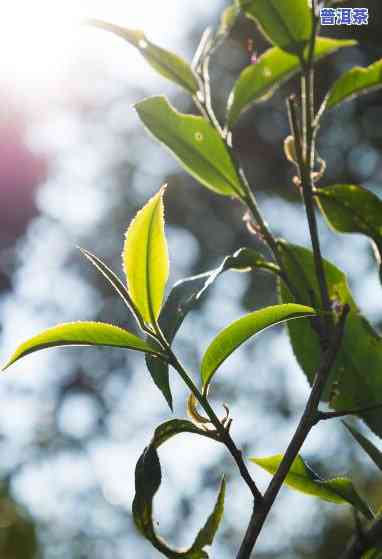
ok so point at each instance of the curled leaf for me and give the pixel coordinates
(148, 478)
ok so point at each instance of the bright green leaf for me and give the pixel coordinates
(241, 330)
(182, 298)
(350, 385)
(194, 142)
(374, 453)
(258, 81)
(148, 477)
(349, 208)
(166, 63)
(302, 478)
(82, 333)
(145, 259)
(355, 82)
(286, 23)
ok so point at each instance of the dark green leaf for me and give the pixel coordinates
(286, 23)
(374, 453)
(173, 427)
(207, 533)
(184, 295)
(168, 64)
(82, 333)
(194, 142)
(147, 482)
(302, 478)
(258, 81)
(349, 208)
(355, 82)
(229, 339)
(355, 380)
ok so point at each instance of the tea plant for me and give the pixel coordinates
(338, 350)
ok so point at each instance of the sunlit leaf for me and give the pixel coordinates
(145, 259)
(258, 81)
(183, 297)
(302, 478)
(286, 23)
(166, 63)
(241, 330)
(374, 453)
(148, 477)
(194, 142)
(82, 333)
(351, 384)
(349, 208)
(355, 82)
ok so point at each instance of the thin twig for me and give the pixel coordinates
(223, 432)
(306, 160)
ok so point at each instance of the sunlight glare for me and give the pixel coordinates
(43, 39)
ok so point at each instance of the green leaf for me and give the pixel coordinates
(355, 82)
(349, 208)
(194, 142)
(82, 333)
(374, 453)
(112, 278)
(207, 533)
(302, 478)
(182, 298)
(259, 81)
(145, 259)
(166, 63)
(173, 427)
(372, 554)
(228, 19)
(148, 477)
(351, 384)
(241, 330)
(286, 23)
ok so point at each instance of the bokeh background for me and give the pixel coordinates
(75, 165)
